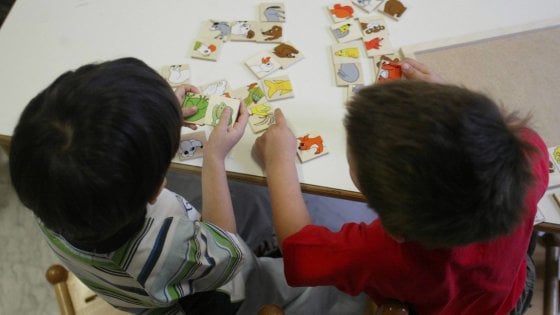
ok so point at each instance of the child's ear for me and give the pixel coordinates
(158, 191)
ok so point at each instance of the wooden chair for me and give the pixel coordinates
(75, 298)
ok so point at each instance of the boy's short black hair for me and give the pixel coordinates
(90, 150)
(439, 163)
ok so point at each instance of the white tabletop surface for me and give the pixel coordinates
(43, 38)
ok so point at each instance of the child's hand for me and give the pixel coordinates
(223, 138)
(414, 70)
(180, 92)
(277, 144)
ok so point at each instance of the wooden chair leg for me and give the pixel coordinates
(551, 243)
(57, 276)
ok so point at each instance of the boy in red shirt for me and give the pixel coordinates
(455, 182)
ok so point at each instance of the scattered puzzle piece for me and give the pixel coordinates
(287, 54)
(367, 5)
(272, 12)
(375, 25)
(206, 48)
(393, 59)
(250, 94)
(220, 87)
(200, 102)
(269, 32)
(261, 116)
(262, 64)
(176, 75)
(244, 31)
(346, 31)
(220, 30)
(341, 11)
(348, 73)
(191, 145)
(393, 8)
(278, 88)
(310, 146)
(346, 52)
(216, 105)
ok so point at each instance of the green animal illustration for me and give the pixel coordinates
(217, 112)
(255, 94)
(200, 102)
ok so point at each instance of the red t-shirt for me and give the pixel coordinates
(481, 278)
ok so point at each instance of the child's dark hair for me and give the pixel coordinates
(440, 164)
(93, 148)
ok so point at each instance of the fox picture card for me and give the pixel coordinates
(346, 31)
(206, 48)
(176, 75)
(310, 146)
(348, 73)
(287, 54)
(244, 31)
(219, 87)
(388, 71)
(216, 29)
(216, 105)
(272, 12)
(250, 94)
(393, 9)
(263, 64)
(200, 102)
(346, 52)
(367, 5)
(191, 145)
(277, 88)
(341, 11)
(377, 45)
(270, 32)
(378, 61)
(261, 116)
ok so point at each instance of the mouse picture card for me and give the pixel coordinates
(191, 145)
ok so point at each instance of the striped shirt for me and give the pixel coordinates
(174, 255)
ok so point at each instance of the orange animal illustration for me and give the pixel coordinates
(342, 12)
(274, 33)
(305, 143)
(373, 44)
(389, 71)
(394, 8)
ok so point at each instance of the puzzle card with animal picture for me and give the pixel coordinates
(311, 146)
(216, 105)
(277, 88)
(261, 116)
(272, 12)
(367, 5)
(176, 75)
(388, 67)
(200, 102)
(269, 32)
(348, 73)
(215, 29)
(263, 64)
(346, 52)
(346, 31)
(250, 94)
(287, 54)
(393, 9)
(244, 31)
(206, 48)
(373, 25)
(219, 87)
(341, 11)
(377, 45)
(191, 145)
(554, 161)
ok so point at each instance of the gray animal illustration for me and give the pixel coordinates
(223, 27)
(348, 72)
(342, 31)
(188, 148)
(274, 14)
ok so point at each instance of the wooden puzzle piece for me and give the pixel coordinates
(287, 54)
(191, 145)
(206, 48)
(348, 73)
(377, 45)
(346, 31)
(373, 26)
(555, 158)
(346, 52)
(393, 8)
(244, 31)
(388, 71)
(278, 88)
(200, 102)
(310, 146)
(263, 64)
(341, 11)
(395, 57)
(272, 12)
(176, 75)
(269, 32)
(220, 87)
(220, 30)
(367, 5)
(261, 116)
(250, 94)
(216, 105)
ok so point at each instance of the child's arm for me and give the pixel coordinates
(276, 152)
(414, 70)
(216, 199)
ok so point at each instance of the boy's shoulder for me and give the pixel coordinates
(171, 204)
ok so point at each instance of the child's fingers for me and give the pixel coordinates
(189, 111)
(224, 119)
(415, 65)
(279, 117)
(243, 115)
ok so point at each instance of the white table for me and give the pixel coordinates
(41, 39)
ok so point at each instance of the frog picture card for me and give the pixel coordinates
(216, 105)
